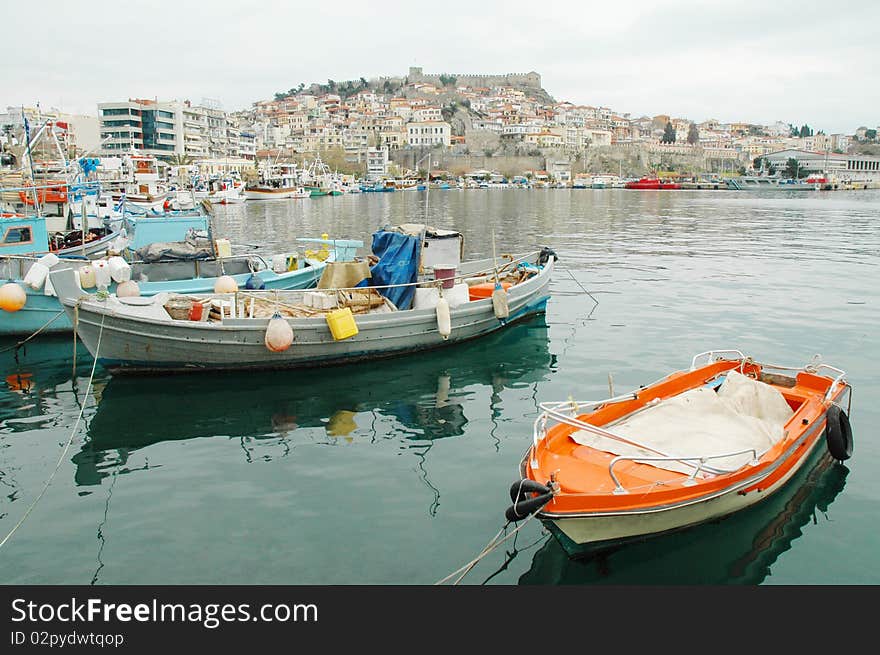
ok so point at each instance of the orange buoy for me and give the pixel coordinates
(12, 297)
(279, 334)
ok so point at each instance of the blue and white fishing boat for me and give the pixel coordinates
(169, 253)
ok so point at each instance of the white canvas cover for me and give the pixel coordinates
(743, 414)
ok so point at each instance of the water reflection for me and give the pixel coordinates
(738, 550)
(40, 390)
(425, 395)
(36, 379)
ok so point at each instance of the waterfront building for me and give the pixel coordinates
(428, 133)
(847, 169)
(151, 127)
(377, 163)
(165, 129)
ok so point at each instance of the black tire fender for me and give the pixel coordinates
(523, 508)
(520, 488)
(838, 433)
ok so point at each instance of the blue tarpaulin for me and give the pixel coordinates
(398, 264)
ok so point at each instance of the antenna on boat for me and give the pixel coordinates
(27, 138)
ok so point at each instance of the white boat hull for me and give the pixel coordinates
(269, 194)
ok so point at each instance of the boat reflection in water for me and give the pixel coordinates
(740, 549)
(37, 380)
(274, 411)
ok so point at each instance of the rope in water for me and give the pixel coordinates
(66, 447)
(494, 542)
(19, 344)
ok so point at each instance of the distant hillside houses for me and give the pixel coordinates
(458, 112)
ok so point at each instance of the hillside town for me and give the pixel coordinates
(502, 125)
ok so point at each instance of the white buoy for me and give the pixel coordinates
(225, 284)
(499, 302)
(12, 297)
(128, 289)
(279, 334)
(444, 321)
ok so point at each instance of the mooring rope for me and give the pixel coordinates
(19, 344)
(66, 447)
(494, 542)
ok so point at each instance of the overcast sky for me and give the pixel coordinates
(799, 62)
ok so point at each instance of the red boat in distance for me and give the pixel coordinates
(652, 183)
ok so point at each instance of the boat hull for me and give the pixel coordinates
(602, 531)
(129, 345)
(269, 194)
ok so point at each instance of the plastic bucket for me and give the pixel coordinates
(447, 274)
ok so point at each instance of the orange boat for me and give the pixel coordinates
(692, 447)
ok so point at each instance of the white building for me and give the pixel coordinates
(855, 169)
(377, 163)
(429, 133)
(426, 114)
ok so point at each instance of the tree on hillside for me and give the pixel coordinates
(448, 80)
(805, 131)
(668, 133)
(693, 136)
(871, 134)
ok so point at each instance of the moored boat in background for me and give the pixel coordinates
(654, 183)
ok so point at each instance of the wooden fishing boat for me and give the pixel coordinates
(692, 447)
(329, 326)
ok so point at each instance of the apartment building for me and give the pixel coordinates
(165, 129)
(149, 126)
(377, 163)
(429, 133)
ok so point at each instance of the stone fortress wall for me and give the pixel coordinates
(530, 79)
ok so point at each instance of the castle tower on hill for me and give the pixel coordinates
(530, 79)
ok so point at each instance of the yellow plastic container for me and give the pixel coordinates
(341, 322)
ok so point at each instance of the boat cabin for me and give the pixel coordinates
(23, 235)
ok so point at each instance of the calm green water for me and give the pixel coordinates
(398, 472)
